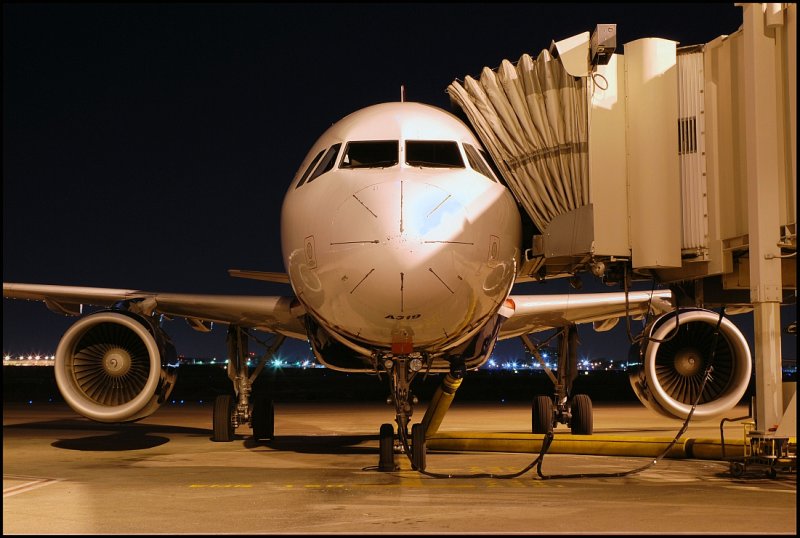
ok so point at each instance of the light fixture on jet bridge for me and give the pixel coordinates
(603, 43)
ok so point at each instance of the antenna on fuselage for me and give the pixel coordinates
(402, 93)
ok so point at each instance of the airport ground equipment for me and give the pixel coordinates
(773, 450)
(764, 451)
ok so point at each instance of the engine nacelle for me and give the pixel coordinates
(111, 366)
(673, 363)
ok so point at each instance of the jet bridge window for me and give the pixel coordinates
(326, 163)
(433, 154)
(370, 154)
(477, 161)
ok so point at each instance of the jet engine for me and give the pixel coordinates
(111, 366)
(673, 362)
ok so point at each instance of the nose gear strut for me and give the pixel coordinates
(401, 370)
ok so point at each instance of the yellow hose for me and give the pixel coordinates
(600, 445)
(439, 404)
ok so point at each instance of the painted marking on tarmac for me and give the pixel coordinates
(28, 483)
(756, 488)
(221, 486)
(431, 483)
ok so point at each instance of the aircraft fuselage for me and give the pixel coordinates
(396, 234)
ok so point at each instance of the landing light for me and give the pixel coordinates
(415, 365)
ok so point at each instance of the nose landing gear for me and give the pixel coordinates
(401, 370)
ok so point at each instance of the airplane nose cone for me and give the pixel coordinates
(414, 236)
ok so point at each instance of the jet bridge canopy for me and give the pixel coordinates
(532, 117)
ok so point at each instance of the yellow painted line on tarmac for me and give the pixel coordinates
(517, 483)
(221, 486)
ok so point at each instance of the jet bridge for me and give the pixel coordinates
(641, 159)
(667, 161)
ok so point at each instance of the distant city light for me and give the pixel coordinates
(510, 364)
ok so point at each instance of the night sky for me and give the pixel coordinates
(150, 146)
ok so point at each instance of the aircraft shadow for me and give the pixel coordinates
(116, 442)
(112, 437)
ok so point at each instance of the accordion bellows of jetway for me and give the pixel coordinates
(641, 158)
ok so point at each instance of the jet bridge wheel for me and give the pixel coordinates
(581, 422)
(263, 417)
(419, 450)
(542, 414)
(223, 418)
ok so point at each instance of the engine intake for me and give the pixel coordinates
(110, 366)
(673, 363)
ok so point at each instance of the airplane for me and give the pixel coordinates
(401, 246)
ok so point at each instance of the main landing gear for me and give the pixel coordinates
(247, 406)
(563, 407)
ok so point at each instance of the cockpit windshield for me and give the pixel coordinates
(433, 154)
(370, 154)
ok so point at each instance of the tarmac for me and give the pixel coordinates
(63, 474)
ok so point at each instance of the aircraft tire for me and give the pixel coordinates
(581, 422)
(222, 422)
(419, 449)
(737, 469)
(542, 415)
(263, 418)
(386, 438)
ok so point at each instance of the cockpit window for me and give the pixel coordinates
(477, 161)
(370, 154)
(310, 168)
(326, 163)
(433, 153)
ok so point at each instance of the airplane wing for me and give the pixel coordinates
(282, 278)
(541, 312)
(273, 314)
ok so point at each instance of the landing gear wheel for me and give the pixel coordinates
(542, 415)
(418, 448)
(581, 422)
(386, 462)
(737, 469)
(772, 473)
(223, 418)
(263, 418)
